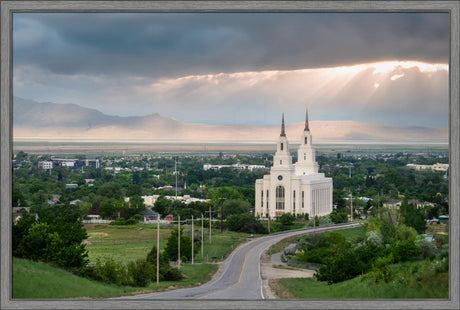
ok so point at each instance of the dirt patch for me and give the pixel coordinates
(279, 289)
(97, 234)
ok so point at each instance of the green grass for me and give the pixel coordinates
(128, 243)
(221, 246)
(39, 280)
(410, 280)
(123, 244)
(353, 233)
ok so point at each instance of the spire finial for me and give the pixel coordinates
(283, 133)
(307, 128)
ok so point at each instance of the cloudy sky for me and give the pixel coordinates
(239, 68)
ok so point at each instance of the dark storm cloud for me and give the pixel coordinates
(167, 45)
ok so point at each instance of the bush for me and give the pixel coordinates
(185, 246)
(111, 272)
(406, 251)
(167, 273)
(341, 267)
(287, 219)
(429, 249)
(325, 220)
(374, 237)
(381, 268)
(245, 223)
(140, 272)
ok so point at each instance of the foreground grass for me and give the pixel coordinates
(38, 280)
(123, 244)
(410, 280)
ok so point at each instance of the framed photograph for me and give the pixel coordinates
(307, 79)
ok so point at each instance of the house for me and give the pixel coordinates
(150, 216)
(393, 204)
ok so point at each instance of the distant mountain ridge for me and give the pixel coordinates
(53, 121)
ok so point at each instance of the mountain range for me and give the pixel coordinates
(60, 122)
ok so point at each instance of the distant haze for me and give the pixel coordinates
(64, 122)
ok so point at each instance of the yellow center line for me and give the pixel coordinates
(241, 273)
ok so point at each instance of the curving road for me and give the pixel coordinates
(240, 278)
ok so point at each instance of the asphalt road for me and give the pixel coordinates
(240, 278)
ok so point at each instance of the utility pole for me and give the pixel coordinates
(221, 213)
(175, 172)
(202, 235)
(210, 229)
(269, 224)
(192, 240)
(158, 249)
(351, 204)
(178, 242)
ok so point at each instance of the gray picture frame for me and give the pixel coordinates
(9, 7)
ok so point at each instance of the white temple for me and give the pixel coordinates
(294, 188)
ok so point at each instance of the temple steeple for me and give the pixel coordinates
(307, 128)
(283, 133)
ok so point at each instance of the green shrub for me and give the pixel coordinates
(341, 267)
(185, 246)
(245, 223)
(140, 272)
(406, 251)
(111, 272)
(382, 269)
(119, 221)
(429, 249)
(287, 219)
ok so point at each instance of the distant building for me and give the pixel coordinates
(92, 163)
(294, 188)
(71, 185)
(186, 199)
(434, 167)
(45, 165)
(235, 166)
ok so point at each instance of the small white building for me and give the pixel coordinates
(294, 188)
(45, 165)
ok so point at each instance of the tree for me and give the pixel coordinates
(287, 219)
(245, 223)
(163, 206)
(185, 246)
(235, 206)
(413, 217)
(111, 190)
(110, 206)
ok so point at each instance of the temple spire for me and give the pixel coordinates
(307, 128)
(283, 133)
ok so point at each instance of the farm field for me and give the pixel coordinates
(128, 243)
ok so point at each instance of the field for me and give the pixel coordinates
(127, 243)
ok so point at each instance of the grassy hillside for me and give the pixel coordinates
(38, 280)
(410, 280)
